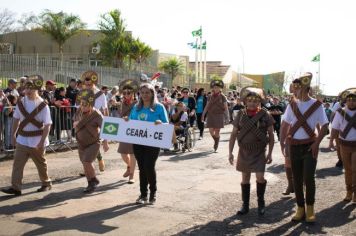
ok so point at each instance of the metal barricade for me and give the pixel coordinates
(6, 128)
(61, 133)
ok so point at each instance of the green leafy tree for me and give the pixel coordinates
(173, 67)
(115, 44)
(139, 52)
(60, 26)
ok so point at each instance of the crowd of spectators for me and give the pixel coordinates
(62, 101)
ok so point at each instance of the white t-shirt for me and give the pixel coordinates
(44, 116)
(336, 107)
(184, 116)
(339, 123)
(318, 117)
(100, 102)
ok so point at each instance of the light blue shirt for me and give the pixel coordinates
(200, 103)
(146, 114)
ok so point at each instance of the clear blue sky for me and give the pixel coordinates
(274, 35)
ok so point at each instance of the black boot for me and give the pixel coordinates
(290, 187)
(261, 188)
(216, 143)
(91, 186)
(245, 190)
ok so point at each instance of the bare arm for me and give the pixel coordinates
(283, 135)
(45, 134)
(15, 126)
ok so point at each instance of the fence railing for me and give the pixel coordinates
(15, 66)
(61, 132)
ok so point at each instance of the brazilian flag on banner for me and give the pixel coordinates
(110, 128)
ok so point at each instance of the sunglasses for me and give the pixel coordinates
(87, 79)
(84, 104)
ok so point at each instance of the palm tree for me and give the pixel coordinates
(173, 67)
(60, 26)
(115, 43)
(139, 52)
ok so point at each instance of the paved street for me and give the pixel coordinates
(198, 193)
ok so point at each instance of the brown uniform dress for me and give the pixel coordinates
(216, 111)
(252, 148)
(124, 110)
(88, 136)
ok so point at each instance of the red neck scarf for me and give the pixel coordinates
(216, 94)
(128, 101)
(253, 112)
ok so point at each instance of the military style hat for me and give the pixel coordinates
(347, 93)
(217, 82)
(92, 75)
(34, 82)
(129, 84)
(86, 95)
(253, 93)
(304, 80)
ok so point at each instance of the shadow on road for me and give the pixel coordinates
(54, 199)
(92, 222)
(233, 225)
(324, 219)
(276, 169)
(190, 156)
(326, 172)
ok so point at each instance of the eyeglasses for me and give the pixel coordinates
(297, 85)
(126, 93)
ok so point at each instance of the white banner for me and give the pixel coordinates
(137, 132)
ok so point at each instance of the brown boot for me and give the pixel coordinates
(290, 187)
(216, 143)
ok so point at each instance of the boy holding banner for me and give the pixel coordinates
(87, 124)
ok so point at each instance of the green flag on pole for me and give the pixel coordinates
(193, 45)
(203, 46)
(198, 32)
(316, 58)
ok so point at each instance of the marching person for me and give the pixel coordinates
(32, 122)
(302, 116)
(147, 109)
(215, 111)
(285, 152)
(253, 130)
(201, 101)
(90, 80)
(87, 125)
(128, 90)
(344, 128)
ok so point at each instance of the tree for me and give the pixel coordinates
(173, 67)
(115, 43)
(28, 21)
(139, 51)
(7, 21)
(60, 26)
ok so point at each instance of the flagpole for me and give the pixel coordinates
(200, 60)
(319, 74)
(196, 61)
(205, 80)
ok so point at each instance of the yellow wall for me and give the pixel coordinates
(257, 78)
